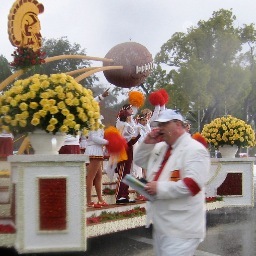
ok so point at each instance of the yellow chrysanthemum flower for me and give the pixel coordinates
(5, 109)
(64, 129)
(7, 119)
(14, 123)
(54, 110)
(61, 105)
(53, 121)
(70, 117)
(42, 112)
(35, 121)
(23, 106)
(50, 128)
(22, 123)
(33, 105)
(24, 114)
(65, 112)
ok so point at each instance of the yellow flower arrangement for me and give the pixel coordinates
(55, 103)
(229, 130)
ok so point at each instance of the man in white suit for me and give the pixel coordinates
(177, 180)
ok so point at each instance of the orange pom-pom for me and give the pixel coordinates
(156, 98)
(197, 136)
(136, 98)
(165, 95)
(116, 143)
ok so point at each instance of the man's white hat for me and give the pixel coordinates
(169, 115)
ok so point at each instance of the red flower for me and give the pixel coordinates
(26, 57)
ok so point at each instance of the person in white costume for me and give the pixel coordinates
(71, 145)
(94, 150)
(83, 143)
(137, 171)
(131, 134)
(177, 171)
(131, 110)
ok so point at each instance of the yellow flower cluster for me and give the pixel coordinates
(55, 103)
(229, 130)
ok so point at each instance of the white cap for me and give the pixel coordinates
(168, 115)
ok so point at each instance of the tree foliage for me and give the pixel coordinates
(5, 70)
(211, 71)
(62, 46)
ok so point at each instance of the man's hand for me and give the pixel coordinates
(105, 93)
(151, 187)
(153, 137)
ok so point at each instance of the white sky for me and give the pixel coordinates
(99, 25)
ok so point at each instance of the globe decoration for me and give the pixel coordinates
(137, 64)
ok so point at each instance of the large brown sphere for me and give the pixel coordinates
(137, 64)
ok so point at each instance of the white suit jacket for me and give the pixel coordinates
(176, 211)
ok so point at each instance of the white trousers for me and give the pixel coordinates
(169, 246)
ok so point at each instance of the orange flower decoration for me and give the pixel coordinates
(197, 136)
(136, 98)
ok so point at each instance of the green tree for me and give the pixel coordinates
(62, 46)
(208, 78)
(5, 70)
(248, 36)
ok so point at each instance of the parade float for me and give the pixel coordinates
(42, 196)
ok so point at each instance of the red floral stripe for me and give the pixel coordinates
(192, 186)
(7, 229)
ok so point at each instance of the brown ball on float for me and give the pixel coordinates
(137, 64)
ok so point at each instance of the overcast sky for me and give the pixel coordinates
(99, 25)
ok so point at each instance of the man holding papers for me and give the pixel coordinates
(177, 171)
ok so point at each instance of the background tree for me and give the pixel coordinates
(5, 70)
(62, 46)
(207, 77)
(248, 36)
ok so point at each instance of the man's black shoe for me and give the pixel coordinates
(122, 200)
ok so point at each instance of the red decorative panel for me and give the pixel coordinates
(52, 204)
(232, 185)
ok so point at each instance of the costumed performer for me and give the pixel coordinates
(131, 134)
(130, 111)
(71, 145)
(94, 150)
(139, 172)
